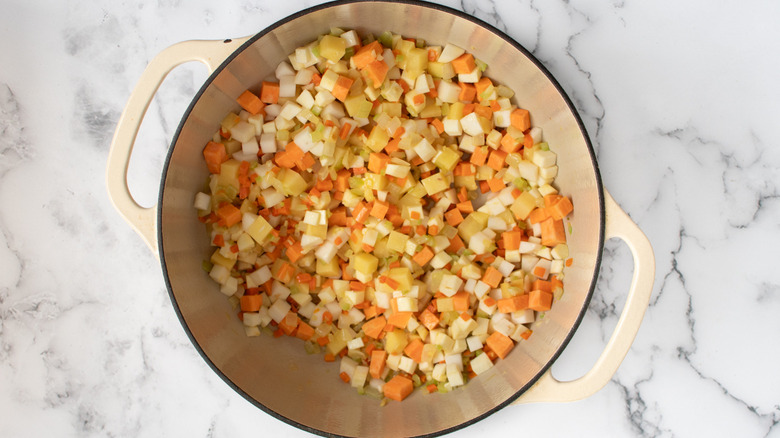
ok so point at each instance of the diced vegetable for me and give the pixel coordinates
(389, 205)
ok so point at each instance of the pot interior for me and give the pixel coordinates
(276, 374)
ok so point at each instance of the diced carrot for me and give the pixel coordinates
(367, 54)
(361, 212)
(374, 327)
(500, 343)
(513, 304)
(551, 199)
(376, 71)
(393, 145)
(250, 102)
(453, 217)
(377, 363)
(229, 213)
(423, 257)
(509, 144)
(512, 239)
(344, 377)
(464, 64)
(526, 334)
(294, 252)
(540, 300)
(569, 261)
(456, 244)
(269, 92)
(483, 111)
(219, 240)
(418, 99)
(428, 319)
(496, 184)
(215, 154)
(305, 162)
(398, 388)
(479, 156)
(438, 125)
(341, 88)
(377, 161)
(496, 160)
(460, 301)
(544, 285)
(528, 141)
(251, 303)
(484, 187)
(538, 215)
(465, 207)
(561, 209)
(399, 319)
(553, 232)
(414, 349)
(305, 331)
(520, 119)
(286, 273)
(289, 323)
(492, 277)
(482, 85)
(467, 93)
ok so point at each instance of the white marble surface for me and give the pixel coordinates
(678, 97)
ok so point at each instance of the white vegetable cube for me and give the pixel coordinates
(326, 295)
(440, 372)
(326, 251)
(258, 277)
(496, 223)
(481, 289)
(450, 52)
(528, 262)
(407, 304)
(517, 333)
(289, 110)
(397, 170)
(450, 284)
(470, 78)
(251, 331)
(471, 124)
(525, 316)
(359, 376)
(548, 172)
(547, 189)
(452, 127)
(219, 273)
(392, 361)
(454, 375)
(460, 328)
(448, 91)
(440, 260)
(355, 344)
(542, 269)
(329, 79)
(501, 118)
(268, 142)
(425, 150)
(305, 99)
(278, 310)
(303, 76)
(252, 319)
(479, 243)
(230, 287)
(202, 201)
(544, 158)
(407, 364)
(474, 343)
(242, 131)
(528, 170)
(250, 147)
(454, 359)
(287, 86)
(500, 322)
(481, 363)
(347, 366)
(278, 292)
(513, 256)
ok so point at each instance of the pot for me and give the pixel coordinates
(277, 375)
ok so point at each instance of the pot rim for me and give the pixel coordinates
(442, 8)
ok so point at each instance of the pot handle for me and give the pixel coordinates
(550, 389)
(211, 53)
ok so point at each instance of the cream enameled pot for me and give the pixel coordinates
(276, 374)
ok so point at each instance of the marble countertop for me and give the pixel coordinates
(678, 98)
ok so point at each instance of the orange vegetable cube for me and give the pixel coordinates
(414, 349)
(377, 363)
(464, 64)
(453, 217)
(423, 257)
(379, 210)
(250, 102)
(215, 154)
(251, 303)
(520, 119)
(229, 213)
(492, 277)
(373, 327)
(512, 239)
(429, 319)
(497, 159)
(398, 388)
(540, 300)
(269, 92)
(500, 343)
(553, 232)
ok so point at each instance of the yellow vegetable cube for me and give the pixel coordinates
(358, 106)
(292, 182)
(436, 183)
(447, 159)
(219, 259)
(523, 205)
(329, 269)
(332, 47)
(397, 241)
(396, 341)
(404, 278)
(416, 61)
(365, 263)
(259, 230)
(378, 139)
